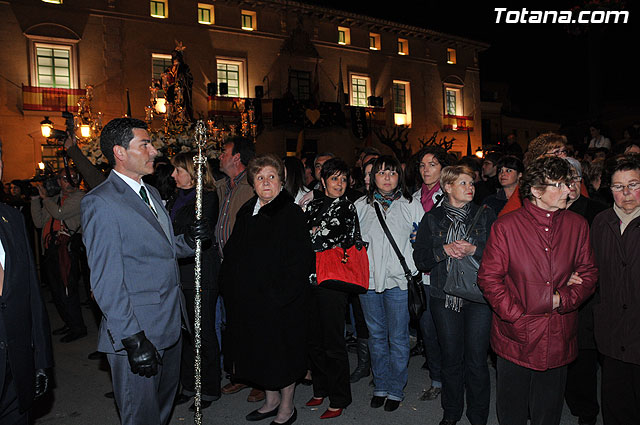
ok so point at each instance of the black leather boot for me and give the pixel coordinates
(364, 361)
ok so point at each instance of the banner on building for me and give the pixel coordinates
(50, 99)
(457, 122)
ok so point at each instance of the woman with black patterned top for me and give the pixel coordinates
(332, 222)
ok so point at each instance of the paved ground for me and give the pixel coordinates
(78, 396)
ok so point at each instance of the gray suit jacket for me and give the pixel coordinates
(134, 273)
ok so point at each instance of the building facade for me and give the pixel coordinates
(389, 73)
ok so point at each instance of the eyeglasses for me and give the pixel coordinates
(560, 184)
(620, 187)
(576, 179)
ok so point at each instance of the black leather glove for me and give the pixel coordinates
(42, 382)
(199, 230)
(143, 356)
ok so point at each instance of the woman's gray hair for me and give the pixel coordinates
(575, 164)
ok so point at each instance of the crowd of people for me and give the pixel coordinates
(550, 236)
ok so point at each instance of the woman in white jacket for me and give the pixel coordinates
(385, 303)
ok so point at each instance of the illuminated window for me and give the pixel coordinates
(360, 89)
(53, 65)
(159, 8)
(248, 20)
(53, 1)
(453, 101)
(205, 14)
(232, 73)
(403, 46)
(401, 103)
(344, 35)
(159, 63)
(451, 56)
(374, 41)
(300, 84)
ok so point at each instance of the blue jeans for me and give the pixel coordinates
(387, 318)
(430, 342)
(464, 342)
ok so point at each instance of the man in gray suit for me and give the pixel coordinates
(132, 254)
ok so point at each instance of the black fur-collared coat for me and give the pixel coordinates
(264, 282)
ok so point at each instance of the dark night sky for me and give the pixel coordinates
(547, 68)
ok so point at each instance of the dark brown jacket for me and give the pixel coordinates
(617, 312)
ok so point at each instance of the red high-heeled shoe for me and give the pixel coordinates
(315, 401)
(328, 414)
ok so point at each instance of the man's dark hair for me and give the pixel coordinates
(118, 132)
(245, 147)
(492, 157)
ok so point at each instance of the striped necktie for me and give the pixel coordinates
(145, 198)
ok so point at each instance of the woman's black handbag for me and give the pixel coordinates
(462, 279)
(415, 289)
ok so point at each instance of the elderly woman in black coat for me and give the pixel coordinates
(265, 278)
(182, 210)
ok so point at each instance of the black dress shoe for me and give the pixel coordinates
(96, 355)
(61, 331)
(203, 405)
(257, 416)
(391, 405)
(72, 336)
(181, 399)
(447, 422)
(289, 421)
(377, 401)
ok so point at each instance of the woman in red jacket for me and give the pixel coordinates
(537, 268)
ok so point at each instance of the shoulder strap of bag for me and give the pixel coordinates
(405, 267)
(475, 220)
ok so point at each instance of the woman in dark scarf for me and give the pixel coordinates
(463, 326)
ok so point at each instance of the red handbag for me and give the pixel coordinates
(344, 270)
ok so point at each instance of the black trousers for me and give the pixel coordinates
(521, 391)
(581, 393)
(620, 392)
(9, 409)
(66, 299)
(327, 346)
(209, 348)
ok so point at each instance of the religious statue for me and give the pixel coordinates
(177, 83)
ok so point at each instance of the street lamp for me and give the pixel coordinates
(46, 127)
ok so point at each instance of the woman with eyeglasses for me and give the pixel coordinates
(615, 237)
(548, 144)
(537, 269)
(385, 303)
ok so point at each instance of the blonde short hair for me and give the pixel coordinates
(450, 174)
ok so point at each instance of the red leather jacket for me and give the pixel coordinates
(530, 255)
